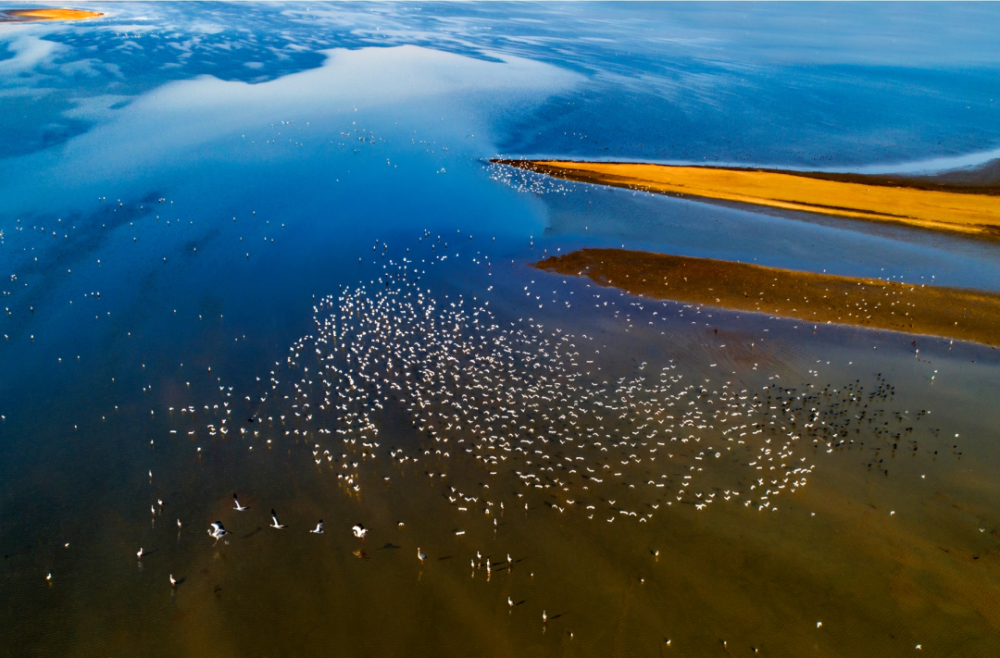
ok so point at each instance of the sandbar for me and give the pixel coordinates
(955, 313)
(969, 209)
(30, 15)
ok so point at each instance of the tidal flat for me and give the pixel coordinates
(967, 209)
(910, 308)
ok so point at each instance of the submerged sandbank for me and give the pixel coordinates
(815, 298)
(970, 209)
(29, 15)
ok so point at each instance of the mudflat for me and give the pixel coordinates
(28, 15)
(956, 313)
(973, 210)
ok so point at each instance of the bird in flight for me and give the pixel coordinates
(239, 508)
(217, 532)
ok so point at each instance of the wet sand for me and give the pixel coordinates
(30, 15)
(816, 298)
(973, 210)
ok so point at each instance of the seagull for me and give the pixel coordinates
(420, 555)
(275, 524)
(239, 508)
(359, 531)
(319, 528)
(217, 531)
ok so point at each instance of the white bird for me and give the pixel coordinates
(420, 555)
(139, 554)
(545, 617)
(173, 581)
(217, 532)
(179, 524)
(239, 508)
(274, 521)
(359, 531)
(319, 528)
(510, 602)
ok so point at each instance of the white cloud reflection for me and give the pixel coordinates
(165, 127)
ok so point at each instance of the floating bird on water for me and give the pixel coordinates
(274, 521)
(319, 528)
(217, 531)
(239, 508)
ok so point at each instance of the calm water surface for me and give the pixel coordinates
(182, 185)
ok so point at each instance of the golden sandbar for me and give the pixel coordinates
(815, 298)
(963, 209)
(29, 15)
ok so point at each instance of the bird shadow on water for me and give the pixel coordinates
(252, 533)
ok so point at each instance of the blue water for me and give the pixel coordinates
(210, 169)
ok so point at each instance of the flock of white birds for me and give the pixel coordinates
(523, 400)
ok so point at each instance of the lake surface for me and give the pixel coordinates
(214, 212)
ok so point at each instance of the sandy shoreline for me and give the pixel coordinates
(969, 209)
(814, 298)
(31, 15)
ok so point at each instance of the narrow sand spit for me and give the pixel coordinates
(30, 15)
(814, 298)
(965, 209)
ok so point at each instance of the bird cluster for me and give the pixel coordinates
(524, 180)
(524, 401)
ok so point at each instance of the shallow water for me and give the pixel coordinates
(147, 167)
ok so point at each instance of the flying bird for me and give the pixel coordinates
(217, 532)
